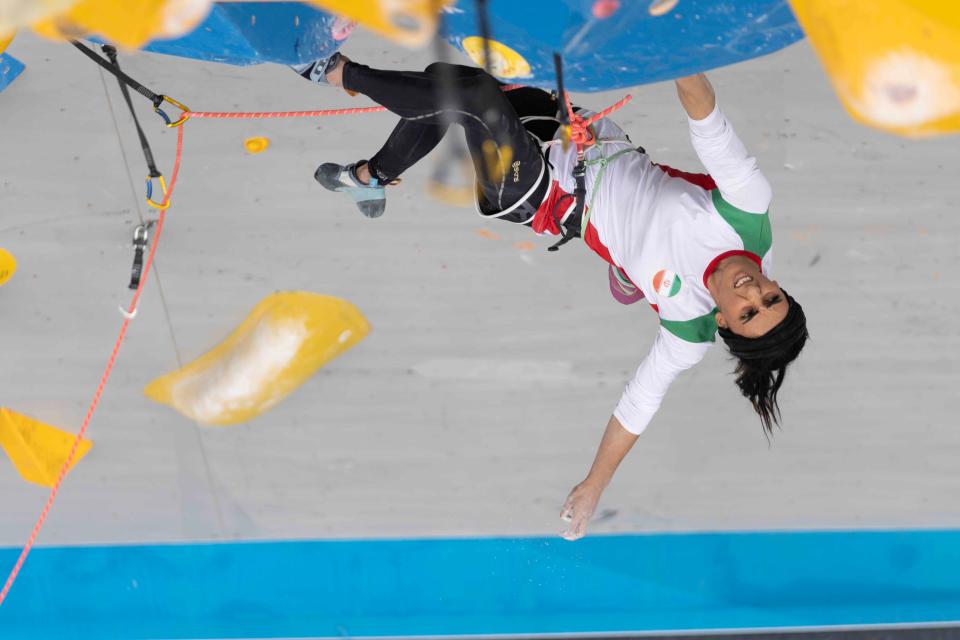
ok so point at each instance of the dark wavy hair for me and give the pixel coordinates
(762, 362)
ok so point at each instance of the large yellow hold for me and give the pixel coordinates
(133, 23)
(127, 23)
(895, 64)
(37, 450)
(504, 61)
(20, 13)
(408, 22)
(284, 340)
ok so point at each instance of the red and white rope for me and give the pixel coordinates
(11, 578)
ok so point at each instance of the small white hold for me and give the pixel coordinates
(907, 88)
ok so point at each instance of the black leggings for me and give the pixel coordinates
(429, 101)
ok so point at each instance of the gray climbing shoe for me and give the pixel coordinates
(316, 71)
(371, 198)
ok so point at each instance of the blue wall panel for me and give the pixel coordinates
(632, 47)
(245, 33)
(10, 68)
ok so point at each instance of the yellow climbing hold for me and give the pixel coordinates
(453, 181)
(409, 22)
(20, 13)
(37, 450)
(898, 69)
(281, 343)
(5, 41)
(128, 23)
(256, 144)
(451, 195)
(8, 266)
(504, 61)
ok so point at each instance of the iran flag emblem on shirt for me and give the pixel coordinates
(666, 282)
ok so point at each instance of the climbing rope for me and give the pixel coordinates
(580, 133)
(131, 311)
(255, 115)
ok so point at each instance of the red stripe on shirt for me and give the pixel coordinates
(727, 254)
(592, 240)
(702, 180)
(545, 219)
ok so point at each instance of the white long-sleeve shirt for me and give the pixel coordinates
(666, 230)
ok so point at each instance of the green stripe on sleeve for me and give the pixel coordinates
(753, 228)
(702, 329)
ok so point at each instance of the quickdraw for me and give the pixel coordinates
(141, 240)
(164, 203)
(123, 80)
(156, 98)
(142, 231)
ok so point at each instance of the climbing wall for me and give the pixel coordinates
(607, 44)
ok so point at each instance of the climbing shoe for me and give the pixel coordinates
(316, 71)
(370, 198)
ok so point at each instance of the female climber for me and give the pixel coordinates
(696, 246)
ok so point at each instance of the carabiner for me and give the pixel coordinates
(164, 204)
(141, 241)
(184, 115)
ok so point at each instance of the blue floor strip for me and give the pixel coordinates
(602, 584)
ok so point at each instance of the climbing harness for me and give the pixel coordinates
(580, 190)
(604, 162)
(582, 135)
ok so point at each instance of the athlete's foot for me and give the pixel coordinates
(325, 71)
(362, 171)
(335, 72)
(365, 191)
